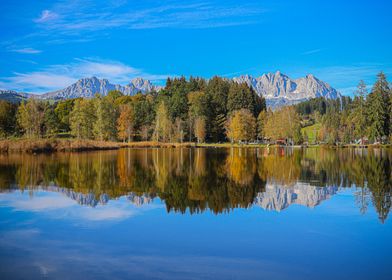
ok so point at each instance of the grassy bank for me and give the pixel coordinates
(55, 145)
(230, 145)
(311, 132)
(69, 144)
(63, 145)
(155, 144)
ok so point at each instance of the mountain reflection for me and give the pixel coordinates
(198, 179)
(278, 197)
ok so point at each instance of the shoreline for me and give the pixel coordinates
(74, 145)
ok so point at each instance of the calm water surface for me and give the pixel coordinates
(197, 214)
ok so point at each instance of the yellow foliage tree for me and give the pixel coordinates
(163, 125)
(284, 123)
(241, 126)
(200, 129)
(30, 117)
(261, 120)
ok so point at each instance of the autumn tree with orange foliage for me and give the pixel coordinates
(126, 122)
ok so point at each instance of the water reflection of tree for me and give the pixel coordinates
(197, 179)
(367, 170)
(280, 165)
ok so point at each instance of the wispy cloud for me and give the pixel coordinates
(46, 16)
(59, 76)
(28, 61)
(26, 51)
(240, 72)
(39, 81)
(342, 74)
(78, 21)
(75, 17)
(309, 52)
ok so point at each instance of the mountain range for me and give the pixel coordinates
(88, 87)
(277, 88)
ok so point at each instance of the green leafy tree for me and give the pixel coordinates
(241, 96)
(82, 119)
(217, 92)
(199, 107)
(106, 117)
(390, 115)
(178, 101)
(7, 118)
(162, 130)
(51, 121)
(261, 120)
(196, 84)
(144, 107)
(30, 117)
(63, 110)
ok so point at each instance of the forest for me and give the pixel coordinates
(200, 110)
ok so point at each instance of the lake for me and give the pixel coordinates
(199, 213)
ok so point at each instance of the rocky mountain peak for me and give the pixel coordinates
(279, 89)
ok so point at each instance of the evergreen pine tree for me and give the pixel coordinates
(358, 114)
(378, 109)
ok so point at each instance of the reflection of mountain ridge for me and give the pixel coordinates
(81, 198)
(90, 199)
(139, 200)
(278, 197)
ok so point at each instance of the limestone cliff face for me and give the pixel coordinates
(278, 89)
(88, 87)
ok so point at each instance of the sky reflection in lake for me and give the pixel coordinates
(196, 214)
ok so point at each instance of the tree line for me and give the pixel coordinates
(366, 116)
(184, 110)
(215, 110)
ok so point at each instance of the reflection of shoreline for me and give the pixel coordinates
(277, 197)
(196, 180)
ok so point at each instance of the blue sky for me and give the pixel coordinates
(47, 45)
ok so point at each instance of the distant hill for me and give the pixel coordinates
(13, 96)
